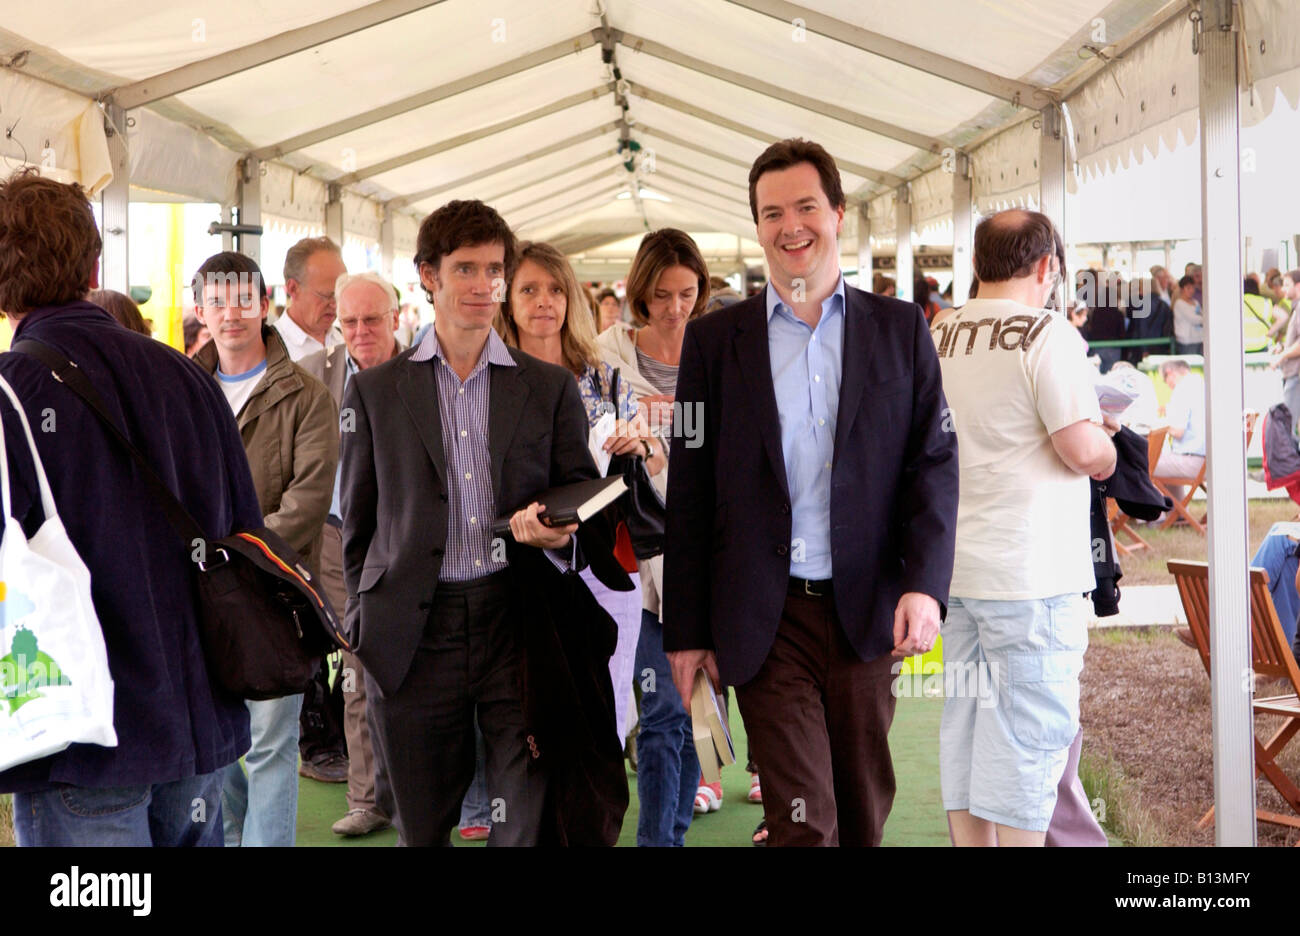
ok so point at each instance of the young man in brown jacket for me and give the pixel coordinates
(289, 425)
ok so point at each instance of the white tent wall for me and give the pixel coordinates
(172, 158)
(61, 132)
(1158, 79)
(1161, 196)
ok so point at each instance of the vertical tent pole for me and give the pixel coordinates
(227, 239)
(115, 200)
(864, 248)
(903, 237)
(250, 205)
(1051, 180)
(1230, 643)
(1051, 167)
(962, 231)
(387, 251)
(334, 215)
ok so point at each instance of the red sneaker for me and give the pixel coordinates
(475, 833)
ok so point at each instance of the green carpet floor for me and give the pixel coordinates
(917, 817)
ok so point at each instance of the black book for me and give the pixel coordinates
(572, 503)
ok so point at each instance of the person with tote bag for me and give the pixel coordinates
(176, 728)
(55, 688)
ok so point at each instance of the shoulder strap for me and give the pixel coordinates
(71, 376)
(613, 390)
(42, 480)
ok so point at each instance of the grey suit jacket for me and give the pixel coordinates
(331, 368)
(394, 488)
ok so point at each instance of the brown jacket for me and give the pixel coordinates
(290, 428)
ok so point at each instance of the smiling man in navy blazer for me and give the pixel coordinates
(810, 531)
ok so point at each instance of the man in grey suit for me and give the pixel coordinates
(367, 315)
(443, 439)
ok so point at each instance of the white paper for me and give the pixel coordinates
(1116, 392)
(603, 429)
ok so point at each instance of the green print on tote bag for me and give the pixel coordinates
(55, 688)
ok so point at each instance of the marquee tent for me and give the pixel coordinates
(587, 122)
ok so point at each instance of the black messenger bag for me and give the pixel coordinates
(264, 620)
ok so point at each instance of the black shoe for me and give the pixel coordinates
(332, 768)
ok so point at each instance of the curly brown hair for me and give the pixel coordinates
(460, 224)
(48, 243)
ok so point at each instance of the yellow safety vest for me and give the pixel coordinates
(1257, 318)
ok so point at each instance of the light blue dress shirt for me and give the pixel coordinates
(806, 367)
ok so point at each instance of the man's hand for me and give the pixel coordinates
(685, 664)
(527, 527)
(916, 624)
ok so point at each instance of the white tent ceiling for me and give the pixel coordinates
(415, 103)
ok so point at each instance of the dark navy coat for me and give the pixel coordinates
(171, 723)
(893, 513)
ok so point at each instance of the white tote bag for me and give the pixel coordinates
(55, 687)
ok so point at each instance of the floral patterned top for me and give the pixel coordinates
(594, 386)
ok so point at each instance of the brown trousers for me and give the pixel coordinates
(818, 723)
(362, 763)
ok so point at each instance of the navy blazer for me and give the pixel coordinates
(893, 484)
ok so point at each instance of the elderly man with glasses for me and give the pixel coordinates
(311, 268)
(367, 313)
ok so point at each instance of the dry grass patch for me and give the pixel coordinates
(1145, 707)
(6, 820)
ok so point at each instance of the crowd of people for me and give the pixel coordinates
(843, 473)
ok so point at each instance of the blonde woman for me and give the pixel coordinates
(545, 314)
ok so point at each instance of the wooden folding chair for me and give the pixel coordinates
(1119, 521)
(1272, 659)
(1192, 484)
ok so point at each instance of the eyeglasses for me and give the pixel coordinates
(370, 321)
(327, 298)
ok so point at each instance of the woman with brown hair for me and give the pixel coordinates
(609, 311)
(545, 314)
(667, 286)
(122, 307)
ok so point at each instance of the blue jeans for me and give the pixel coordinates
(475, 808)
(668, 771)
(181, 813)
(1279, 556)
(262, 807)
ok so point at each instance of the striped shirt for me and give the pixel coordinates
(663, 377)
(471, 502)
